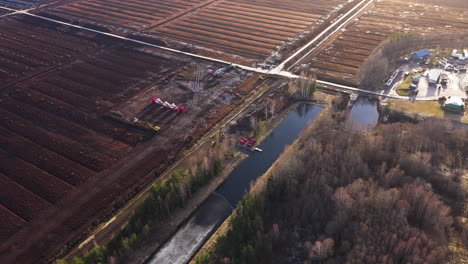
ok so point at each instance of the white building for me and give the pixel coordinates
(434, 76)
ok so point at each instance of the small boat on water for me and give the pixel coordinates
(258, 149)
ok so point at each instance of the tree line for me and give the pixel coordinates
(163, 200)
(391, 195)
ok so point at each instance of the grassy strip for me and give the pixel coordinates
(404, 88)
(425, 109)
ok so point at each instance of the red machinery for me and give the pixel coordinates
(166, 104)
(251, 142)
(248, 142)
(156, 100)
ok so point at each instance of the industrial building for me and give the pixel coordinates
(434, 76)
(455, 104)
(460, 56)
(420, 55)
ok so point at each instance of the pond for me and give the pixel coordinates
(364, 115)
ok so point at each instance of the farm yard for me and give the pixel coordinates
(341, 60)
(249, 29)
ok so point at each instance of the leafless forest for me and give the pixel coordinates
(392, 195)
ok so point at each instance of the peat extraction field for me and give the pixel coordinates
(79, 134)
(29, 46)
(21, 4)
(88, 117)
(4, 12)
(250, 29)
(341, 61)
(135, 15)
(242, 31)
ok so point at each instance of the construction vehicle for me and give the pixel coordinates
(243, 141)
(156, 100)
(155, 128)
(181, 109)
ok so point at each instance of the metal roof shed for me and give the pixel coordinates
(420, 55)
(434, 76)
(454, 104)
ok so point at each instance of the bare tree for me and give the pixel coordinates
(253, 122)
(272, 107)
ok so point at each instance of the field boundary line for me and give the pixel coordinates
(325, 39)
(172, 18)
(281, 65)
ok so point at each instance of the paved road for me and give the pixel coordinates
(13, 11)
(379, 94)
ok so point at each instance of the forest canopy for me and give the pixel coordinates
(390, 195)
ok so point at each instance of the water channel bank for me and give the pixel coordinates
(207, 218)
(365, 113)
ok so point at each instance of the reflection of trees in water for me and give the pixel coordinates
(364, 102)
(357, 126)
(364, 114)
(300, 110)
(303, 109)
